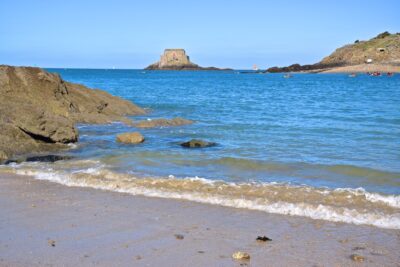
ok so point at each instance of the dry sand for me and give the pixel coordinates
(46, 224)
(363, 68)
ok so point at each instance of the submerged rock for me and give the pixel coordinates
(162, 123)
(240, 255)
(48, 158)
(39, 158)
(196, 143)
(130, 138)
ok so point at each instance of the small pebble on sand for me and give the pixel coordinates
(357, 258)
(263, 238)
(51, 242)
(179, 237)
(240, 255)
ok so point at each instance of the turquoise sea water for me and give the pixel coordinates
(321, 132)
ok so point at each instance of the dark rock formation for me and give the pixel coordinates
(297, 67)
(162, 123)
(176, 59)
(195, 143)
(38, 110)
(47, 158)
(39, 158)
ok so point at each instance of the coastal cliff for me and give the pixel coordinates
(381, 53)
(38, 110)
(176, 59)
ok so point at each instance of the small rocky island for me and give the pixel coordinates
(176, 59)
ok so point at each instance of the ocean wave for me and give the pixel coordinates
(339, 205)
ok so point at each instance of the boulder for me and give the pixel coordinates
(162, 123)
(195, 143)
(130, 138)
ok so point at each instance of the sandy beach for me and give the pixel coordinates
(47, 224)
(362, 68)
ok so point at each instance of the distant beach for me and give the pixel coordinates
(364, 68)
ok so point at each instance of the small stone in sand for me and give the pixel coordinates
(357, 258)
(263, 238)
(200, 251)
(51, 242)
(179, 237)
(138, 257)
(240, 255)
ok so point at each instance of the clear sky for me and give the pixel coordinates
(235, 33)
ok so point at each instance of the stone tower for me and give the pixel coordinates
(173, 59)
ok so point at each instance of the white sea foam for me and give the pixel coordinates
(390, 200)
(314, 211)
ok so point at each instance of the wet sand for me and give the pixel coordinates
(47, 224)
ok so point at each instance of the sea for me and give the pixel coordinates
(322, 146)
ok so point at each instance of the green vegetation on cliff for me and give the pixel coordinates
(382, 49)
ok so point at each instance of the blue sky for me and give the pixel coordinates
(235, 33)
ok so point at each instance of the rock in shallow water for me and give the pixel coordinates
(130, 138)
(47, 158)
(40, 158)
(196, 143)
(162, 123)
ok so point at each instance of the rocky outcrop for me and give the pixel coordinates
(384, 49)
(130, 138)
(306, 68)
(162, 123)
(38, 110)
(176, 59)
(195, 143)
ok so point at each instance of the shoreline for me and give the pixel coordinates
(94, 227)
(363, 68)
